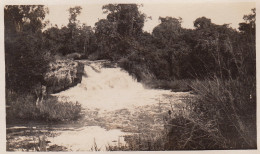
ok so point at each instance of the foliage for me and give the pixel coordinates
(169, 53)
(106, 35)
(250, 25)
(117, 34)
(172, 52)
(75, 37)
(20, 18)
(172, 47)
(225, 107)
(223, 114)
(221, 59)
(25, 54)
(129, 21)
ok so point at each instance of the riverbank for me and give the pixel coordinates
(98, 128)
(39, 104)
(131, 117)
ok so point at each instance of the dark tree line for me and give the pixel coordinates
(171, 52)
(26, 56)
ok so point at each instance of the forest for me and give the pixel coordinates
(216, 62)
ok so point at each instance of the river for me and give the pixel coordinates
(114, 105)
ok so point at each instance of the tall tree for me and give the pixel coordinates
(128, 18)
(169, 33)
(75, 37)
(107, 38)
(117, 34)
(21, 18)
(26, 58)
(212, 49)
(73, 21)
(247, 43)
(249, 25)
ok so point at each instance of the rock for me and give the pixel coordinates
(63, 74)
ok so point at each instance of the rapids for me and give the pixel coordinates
(114, 105)
(104, 90)
(110, 89)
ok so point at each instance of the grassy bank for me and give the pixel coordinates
(61, 75)
(24, 108)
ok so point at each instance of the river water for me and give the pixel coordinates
(113, 101)
(110, 89)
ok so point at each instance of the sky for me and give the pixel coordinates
(220, 13)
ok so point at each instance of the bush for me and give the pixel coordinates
(136, 69)
(23, 107)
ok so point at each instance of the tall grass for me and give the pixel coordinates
(227, 107)
(24, 107)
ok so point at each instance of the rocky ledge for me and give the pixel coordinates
(63, 74)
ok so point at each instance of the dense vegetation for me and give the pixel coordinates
(216, 61)
(31, 66)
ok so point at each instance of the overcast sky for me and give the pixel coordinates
(219, 13)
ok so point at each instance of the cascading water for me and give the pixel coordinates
(114, 105)
(110, 89)
(104, 90)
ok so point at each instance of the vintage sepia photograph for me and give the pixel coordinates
(130, 76)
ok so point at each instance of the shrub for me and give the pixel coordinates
(53, 110)
(136, 69)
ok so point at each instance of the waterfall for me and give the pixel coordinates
(110, 89)
(108, 94)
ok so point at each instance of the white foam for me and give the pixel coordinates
(86, 138)
(110, 89)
